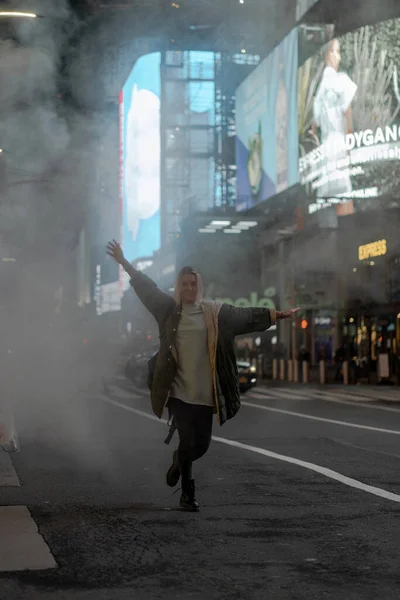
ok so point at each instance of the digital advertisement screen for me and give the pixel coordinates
(349, 103)
(140, 159)
(266, 126)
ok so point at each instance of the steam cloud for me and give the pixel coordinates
(45, 143)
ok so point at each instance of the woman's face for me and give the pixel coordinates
(333, 55)
(189, 288)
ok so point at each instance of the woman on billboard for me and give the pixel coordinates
(333, 115)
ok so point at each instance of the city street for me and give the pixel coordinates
(300, 498)
(196, 196)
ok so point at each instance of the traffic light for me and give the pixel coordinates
(304, 324)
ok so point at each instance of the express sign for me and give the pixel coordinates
(372, 250)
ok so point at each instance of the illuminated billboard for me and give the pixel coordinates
(349, 103)
(140, 159)
(266, 126)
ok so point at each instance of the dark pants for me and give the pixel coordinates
(194, 425)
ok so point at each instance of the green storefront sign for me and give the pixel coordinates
(265, 301)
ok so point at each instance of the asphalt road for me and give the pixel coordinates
(299, 494)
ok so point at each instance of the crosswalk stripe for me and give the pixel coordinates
(276, 394)
(305, 393)
(378, 395)
(371, 396)
(333, 395)
(317, 392)
(344, 399)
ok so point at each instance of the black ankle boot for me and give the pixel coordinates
(173, 473)
(188, 500)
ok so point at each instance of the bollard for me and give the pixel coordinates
(260, 366)
(274, 369)
(322, 371)
(305, 371)
(345, 367)
(282, 370)
(290, 370)
(296, 371)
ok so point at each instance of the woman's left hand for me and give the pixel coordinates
(290, 313)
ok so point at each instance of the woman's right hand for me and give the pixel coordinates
(115, 250)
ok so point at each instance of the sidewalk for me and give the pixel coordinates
(8, 434)
(8, 475)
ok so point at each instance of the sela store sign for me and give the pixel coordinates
(267, 300)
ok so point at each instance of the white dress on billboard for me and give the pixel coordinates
(334, 97)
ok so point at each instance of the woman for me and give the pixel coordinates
(195, 372)
(333, 114)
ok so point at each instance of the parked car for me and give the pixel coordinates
(136, 367)
(247, 375)
(136, 370)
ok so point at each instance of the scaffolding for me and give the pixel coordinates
(198, 171)
(187, 137)
(230, 71)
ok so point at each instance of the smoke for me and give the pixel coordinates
(33, 135)
(47, 147)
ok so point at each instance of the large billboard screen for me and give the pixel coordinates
(266, 126)
(349, 103)
(140, 159)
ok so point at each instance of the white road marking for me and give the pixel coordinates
(329, 473)
(350, 392)
(277, 394)
(363, 404)
(312, 418)
(383, 393)
(297, 395)
(316, 468)
(121, 377)
(371, 450)
(366, 404)
(8, 475)
(122, 393)
(21, 545)
(291, 391)
(354, 395)
(311, 394)
(137, 411)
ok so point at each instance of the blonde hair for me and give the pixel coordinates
(178, 283)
